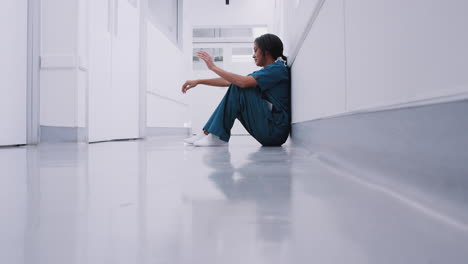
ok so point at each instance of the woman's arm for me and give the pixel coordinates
(214, 82)
(239, 80)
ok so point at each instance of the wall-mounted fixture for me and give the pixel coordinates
(227, 2)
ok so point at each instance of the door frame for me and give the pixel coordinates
(143, 68)
(33, 74)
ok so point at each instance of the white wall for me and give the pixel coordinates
(278, 21)
(318, 74)
(368, 54)
(167, 69)
(296, 14)
(420, 55)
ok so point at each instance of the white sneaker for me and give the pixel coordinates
(192, 139)
(210, 141)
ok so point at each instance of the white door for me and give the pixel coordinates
(114, 74)
(125, 70)
(100, 61)
(13, 72)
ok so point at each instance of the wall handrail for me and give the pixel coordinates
(305, 33)
(165, 97)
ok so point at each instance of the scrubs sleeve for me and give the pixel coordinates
(266, 78)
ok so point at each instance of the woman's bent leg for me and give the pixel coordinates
(247, 105)
(222, 119)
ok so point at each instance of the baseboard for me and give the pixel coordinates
(421, 152)
(63, 134)
(167, 131)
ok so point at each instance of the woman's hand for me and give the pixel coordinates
(207, 59)
(188, 85)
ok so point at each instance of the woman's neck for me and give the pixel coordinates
(269, 60)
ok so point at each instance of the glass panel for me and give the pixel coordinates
(215, 53)
(204, 33)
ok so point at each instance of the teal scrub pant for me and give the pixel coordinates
(248, 106)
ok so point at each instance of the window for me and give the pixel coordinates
(228, 34)
(164, 14)
(230, 47)
(222, 32)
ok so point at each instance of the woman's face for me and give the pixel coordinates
(258, 56)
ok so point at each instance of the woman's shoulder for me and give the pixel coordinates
(281, 69)
(276, 70)
(278, 64)
(277, 67)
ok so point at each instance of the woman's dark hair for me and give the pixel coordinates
(272, 44)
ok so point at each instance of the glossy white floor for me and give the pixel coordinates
(158, 201)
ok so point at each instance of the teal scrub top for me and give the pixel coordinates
(275, 84)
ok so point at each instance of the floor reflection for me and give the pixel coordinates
(253, 225)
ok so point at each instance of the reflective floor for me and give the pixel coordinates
(158, 201)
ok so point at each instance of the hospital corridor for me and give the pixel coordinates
(99, 97)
